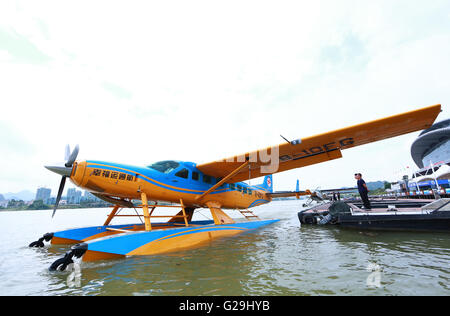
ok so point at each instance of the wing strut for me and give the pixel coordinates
(218, 184)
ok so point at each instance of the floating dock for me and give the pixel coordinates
(393, 215)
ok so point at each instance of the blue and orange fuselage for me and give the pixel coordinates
(184, 182)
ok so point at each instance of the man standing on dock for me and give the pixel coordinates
(363, 191)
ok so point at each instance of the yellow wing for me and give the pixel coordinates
(319, 148)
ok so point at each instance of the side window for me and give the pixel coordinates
(207, 179)
(249, 191)
(183, 173)
(195, 175)
(232, 186)
(244, 190)
(239, 188)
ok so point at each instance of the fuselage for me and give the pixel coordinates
(164, 181)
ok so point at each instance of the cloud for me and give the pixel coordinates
(117, 91)
(20, 48)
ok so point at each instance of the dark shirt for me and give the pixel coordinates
(361, 188)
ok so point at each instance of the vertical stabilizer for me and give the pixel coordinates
(267, 184)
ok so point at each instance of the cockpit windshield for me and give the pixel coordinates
(165, 166)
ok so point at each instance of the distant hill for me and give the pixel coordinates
(24, 195)
(375, 185)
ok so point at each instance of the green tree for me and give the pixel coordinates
(16, 203)
(38, 205)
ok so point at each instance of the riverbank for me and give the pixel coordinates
(60, 207)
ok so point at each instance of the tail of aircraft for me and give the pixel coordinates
(297, 187)
(267, 184)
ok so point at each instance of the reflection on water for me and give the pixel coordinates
(280, 259)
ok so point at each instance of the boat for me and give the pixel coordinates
(389, 215)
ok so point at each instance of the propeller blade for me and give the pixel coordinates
(67, 155)
(61, 170)
(60, 191)
(72, 156)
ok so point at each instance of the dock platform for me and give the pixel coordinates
(412, 215)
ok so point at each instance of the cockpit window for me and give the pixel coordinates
(165, 166)
(183, 173)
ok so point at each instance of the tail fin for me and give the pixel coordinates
(267, 184)
(297, 187)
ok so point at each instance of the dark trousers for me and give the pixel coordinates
(365, 199)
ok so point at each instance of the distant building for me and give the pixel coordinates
(43, 194)
(395, 187)
(89, 197)
(431, 153)
(73, 196)
(432, 146)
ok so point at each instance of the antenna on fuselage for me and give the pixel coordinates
(285, 139)
(294, 142)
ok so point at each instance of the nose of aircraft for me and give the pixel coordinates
(64, 170)
(60, 169)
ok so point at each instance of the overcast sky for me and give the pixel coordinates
(140, 81)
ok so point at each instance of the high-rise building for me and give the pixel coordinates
(43, 194)
(73, 196)
(88, 197)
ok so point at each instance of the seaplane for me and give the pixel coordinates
(217, 186)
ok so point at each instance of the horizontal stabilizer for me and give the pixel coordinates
(339, 190)
(289, 194)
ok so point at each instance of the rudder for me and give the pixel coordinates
(267, 183)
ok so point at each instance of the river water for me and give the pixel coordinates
(279, 259)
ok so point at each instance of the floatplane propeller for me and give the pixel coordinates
(64, 170)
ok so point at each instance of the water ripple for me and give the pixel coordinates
(280, 259)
